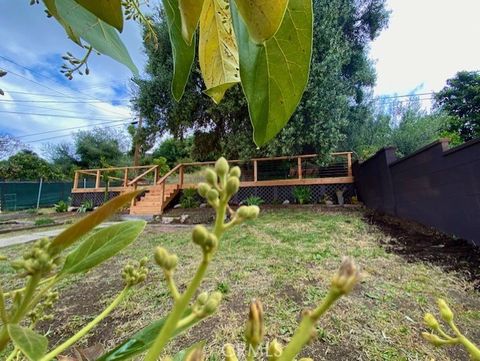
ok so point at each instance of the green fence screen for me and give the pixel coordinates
(23, 195)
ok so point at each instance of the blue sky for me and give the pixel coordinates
(427, 42)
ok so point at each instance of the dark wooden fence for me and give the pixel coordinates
(435, 186)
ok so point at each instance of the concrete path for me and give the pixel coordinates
(9, 240)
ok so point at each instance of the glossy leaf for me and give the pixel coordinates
(102, 245)
(183, 54)
(218, 52)
(103, 37)
(86, 224)
(275, 74)
(109, 11)
(183, 354)
(190, 11)
(52, 9)
(32, 345)
(140, 341)
(262, 17)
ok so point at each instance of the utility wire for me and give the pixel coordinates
(73, 128)
(67, 135)
(52, 115)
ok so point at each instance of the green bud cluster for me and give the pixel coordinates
(41, 310)
(445, 311)
(37, 260)
(206, 304)
(167, 261)
(248, 212)
(134, 274)
(208, 241)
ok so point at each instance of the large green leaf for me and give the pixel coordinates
(86, 224)
(102, 245)
(262, 17)
(183, 54)
(140, 341)
(103, 37)
(275, 74)
(190, 11)
(32, 345)
(52, 9)
(109, 11)
(218, 52)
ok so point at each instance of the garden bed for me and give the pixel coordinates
(286, 258)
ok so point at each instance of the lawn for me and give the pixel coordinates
(286, 259)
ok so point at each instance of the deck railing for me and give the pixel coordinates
(292, 170)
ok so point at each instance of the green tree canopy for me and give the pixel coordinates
(461, 99)
(341, 73)
(27, 165)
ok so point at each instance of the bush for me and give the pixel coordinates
(254, 201)
(86, 206)
(44, 221)
(302, 195)
(61, 207)
(189, 198)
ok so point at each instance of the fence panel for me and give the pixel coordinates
(24, 195)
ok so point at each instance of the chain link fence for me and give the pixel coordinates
(20, 195)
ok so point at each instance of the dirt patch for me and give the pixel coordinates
(416, 242)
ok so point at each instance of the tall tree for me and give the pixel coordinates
(461, 99)
(340, 74)
(27, 165)
(8, 145)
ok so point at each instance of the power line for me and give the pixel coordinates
(73, 128)
(49, 101)
(403, 96)
(66, 135)
(51, 115)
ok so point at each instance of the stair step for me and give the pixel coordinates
(148, 203)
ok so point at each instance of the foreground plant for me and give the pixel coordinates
(442, 338)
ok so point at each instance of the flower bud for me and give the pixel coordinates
(255, 328)
(243, 212)
(164, 259)
(274, 350)
(233, 184)
(212, 303)
(431, 321)
(203, 189)
(235, 172)
(199, 235)
(202, 298)
(210, 243)
(229, 353)
(433, 339)
(211, 177)
(347, 277)
(221, 167)
(212, 195)
(254, 211)
(195, 355)
(445, 311)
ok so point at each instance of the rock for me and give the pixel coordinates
(72, 209)
(285, 202)
(176, 206)
(329, 203)
(183, 218)
(203, 205)
(168, 220)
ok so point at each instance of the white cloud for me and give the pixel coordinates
(427, 42)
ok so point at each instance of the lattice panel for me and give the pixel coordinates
(96, 197)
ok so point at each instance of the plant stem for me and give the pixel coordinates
(14, 353)
(471, 348)
(3, 311)
(72, 340)
(171, 286)
(303, 333)
(10, 293)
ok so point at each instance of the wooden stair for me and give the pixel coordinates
(153, 202)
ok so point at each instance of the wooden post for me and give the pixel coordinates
(125, 178)
(75, 180)
(97, 180)
(299, 170)
(155, 175)
(163, 191)
(349, 164)
(255, 171)
(181, 175)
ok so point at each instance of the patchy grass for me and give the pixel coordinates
(286, 258)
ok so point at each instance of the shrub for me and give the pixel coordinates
(61, 207)
(189, 198)
(254, 201)
(44, 221)
(302, 195)
(86, 206)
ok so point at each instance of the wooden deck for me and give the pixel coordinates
(258, 172)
